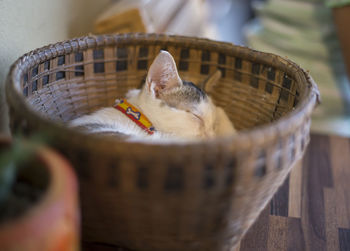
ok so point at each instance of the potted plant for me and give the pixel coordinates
(38, 198)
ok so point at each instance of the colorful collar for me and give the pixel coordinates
(135, 115)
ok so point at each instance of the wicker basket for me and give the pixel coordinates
(198, 196)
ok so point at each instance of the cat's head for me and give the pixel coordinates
(176, 106)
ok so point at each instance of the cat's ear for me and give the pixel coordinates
(163, 75)
(209, 84)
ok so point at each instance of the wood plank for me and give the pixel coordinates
(295, 238)
(331, 219)
(316, 176)
(320, 162)
(340, 159)
(278, 233)
(279, 202)
(256, 237)
(344, 239)
(295, 184)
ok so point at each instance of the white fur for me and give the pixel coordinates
(206, 121)
(170, 123)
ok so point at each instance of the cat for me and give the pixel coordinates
(165, 108)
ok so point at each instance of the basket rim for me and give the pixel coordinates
(244, 139)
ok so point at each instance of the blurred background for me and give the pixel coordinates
(300, 30)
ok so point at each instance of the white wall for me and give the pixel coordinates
(29, 24)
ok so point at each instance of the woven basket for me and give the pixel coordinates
(197, 196)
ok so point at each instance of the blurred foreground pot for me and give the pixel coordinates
(51, 222)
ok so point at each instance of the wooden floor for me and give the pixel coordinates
(311, 211)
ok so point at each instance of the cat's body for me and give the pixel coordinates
(177, 110)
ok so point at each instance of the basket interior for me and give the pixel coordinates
(252, 92)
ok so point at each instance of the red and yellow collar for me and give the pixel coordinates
(135, 115)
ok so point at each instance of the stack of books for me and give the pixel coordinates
(304, 32)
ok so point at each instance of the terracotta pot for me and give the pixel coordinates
(52, 224)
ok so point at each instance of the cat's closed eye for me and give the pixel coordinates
(196, 116)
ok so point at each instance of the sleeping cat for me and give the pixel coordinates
(165, 108)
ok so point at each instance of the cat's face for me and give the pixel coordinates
(177, 106)
(197, 105)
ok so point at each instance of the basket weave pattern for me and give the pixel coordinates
(198, 196)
